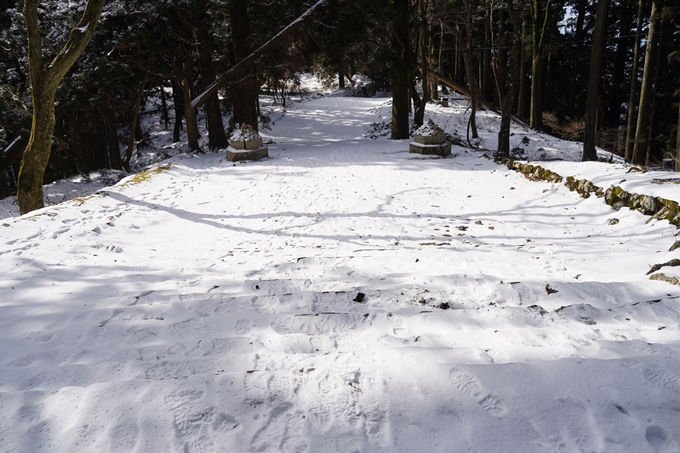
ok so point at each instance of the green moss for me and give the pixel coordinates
(145, 175)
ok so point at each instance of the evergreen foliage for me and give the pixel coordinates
(174, 49)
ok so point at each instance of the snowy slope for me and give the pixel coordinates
(342, 295)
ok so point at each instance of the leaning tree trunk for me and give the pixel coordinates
(641, 130)
(596, 56)
(44, 81)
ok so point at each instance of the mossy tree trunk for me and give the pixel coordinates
(44, 81)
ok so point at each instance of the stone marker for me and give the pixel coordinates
(430, 139)
(246, 144)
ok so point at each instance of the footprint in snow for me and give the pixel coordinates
(660, 440)
(469, 385)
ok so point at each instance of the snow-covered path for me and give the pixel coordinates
(343, 295)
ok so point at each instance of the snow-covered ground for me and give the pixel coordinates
(342, 295)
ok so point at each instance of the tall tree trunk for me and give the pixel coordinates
(44, 83)
(217, 138)
(613, 106)
(513, 40)
(112, 145)
(652, 109)
(502, 63)
(590, 133)
(244, 93)
(134, 122)
(641, 129)
(578, 46)
(421, 102)
(487, 75)
(189, 114)
(677, 140)
(632, 96)
(341, 69)
(178, 101)
(400, 70)
(547, 99)
(523, 82)
(464, 42)
(539, 20)
(165, 117)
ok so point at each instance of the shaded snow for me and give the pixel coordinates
(211, 306)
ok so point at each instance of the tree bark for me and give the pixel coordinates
(250, 59)
(596, 56)
(537, 35)
(217, 138)
(189, 114)
(510, 97)
(44, 81)
(178, 101)
(464, 42)
(113, 147)
(632, 96)
(614, 101)
(243, 94)
(641, 129)
(487, 74)
(420, 103)
(400, 71)
(502, 59)
(523, 82)
(134, 121)
(578, 36)
(677, 141)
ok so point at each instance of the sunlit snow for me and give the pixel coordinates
(341, 296)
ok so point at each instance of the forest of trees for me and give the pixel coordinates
(606, 73)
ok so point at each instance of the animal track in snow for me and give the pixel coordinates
(469, 385)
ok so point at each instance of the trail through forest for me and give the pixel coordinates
(342, 295)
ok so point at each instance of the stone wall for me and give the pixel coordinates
(614, 196)
(617, 198)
